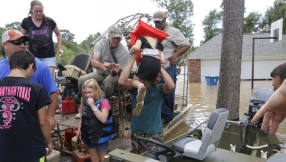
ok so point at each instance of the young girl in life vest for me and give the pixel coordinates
(150, 64)
(96, 120)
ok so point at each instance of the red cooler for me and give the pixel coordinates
(81, 156)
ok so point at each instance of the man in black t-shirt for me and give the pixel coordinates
(24, 127)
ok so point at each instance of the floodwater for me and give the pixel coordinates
(203, 100)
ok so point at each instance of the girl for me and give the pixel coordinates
(96, 125)
(40, 29)
(150, 64)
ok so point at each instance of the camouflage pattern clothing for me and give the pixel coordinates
(136, 148)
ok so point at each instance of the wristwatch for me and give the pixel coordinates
(95, 110)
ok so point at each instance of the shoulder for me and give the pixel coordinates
(26, 19)
(105, 104)
(172, 30)
(40, 64)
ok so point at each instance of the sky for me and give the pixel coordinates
(84, 17)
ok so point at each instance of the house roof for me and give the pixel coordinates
(263, 47)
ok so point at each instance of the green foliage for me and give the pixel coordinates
(2, 30)
(14, 25)
(251, 22)
(67, 35)
(210, 23)
(179, 13)
(273, 14)
(86, 43)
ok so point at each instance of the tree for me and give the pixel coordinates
(86, 43)
(179, 13)
(210, 25)
(67, 35)
(14, 25)
(2, 30)
(273, 14)
(231, 53)
(251, 23)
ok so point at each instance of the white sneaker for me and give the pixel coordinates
(78, 116)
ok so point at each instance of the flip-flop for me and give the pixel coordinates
(138, 108)
(141, 93)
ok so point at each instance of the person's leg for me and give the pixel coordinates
(95, 75)
(51, 62)
(94, 157)
(168, 104)
(140, 95)
(108, 85)
(102, 150)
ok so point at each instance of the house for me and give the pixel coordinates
(205, 61)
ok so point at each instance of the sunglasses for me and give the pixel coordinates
(17, 42)
(159, 22)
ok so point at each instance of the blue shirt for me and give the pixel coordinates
(149, 120)
(42, 74)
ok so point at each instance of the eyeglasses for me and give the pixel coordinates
(17, 42)
(159, 22)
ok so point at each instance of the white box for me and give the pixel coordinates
(55, 156)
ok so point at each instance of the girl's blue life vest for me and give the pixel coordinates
(92, 130)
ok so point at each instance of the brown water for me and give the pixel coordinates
(203, 100)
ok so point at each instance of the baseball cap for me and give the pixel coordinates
(159, 18)
(115, 32)
(13, 35)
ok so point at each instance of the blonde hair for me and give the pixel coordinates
(91, 83)
(34, 3)
(152, 41)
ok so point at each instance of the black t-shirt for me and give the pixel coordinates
(145, 44)
(21, 138)
(41, 44)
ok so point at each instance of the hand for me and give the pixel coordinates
(90, 102)
(50, 148)
(61, 52)
(275, 116)
(52, 121)
(172, 60)
(105, 65)
(115, 68)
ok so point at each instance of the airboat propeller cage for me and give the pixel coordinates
(257, 100)
(145, 29)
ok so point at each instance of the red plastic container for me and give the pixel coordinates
(81, 156)
(68, 105)
(69, 134)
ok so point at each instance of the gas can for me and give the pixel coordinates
(68, 105)
(81, 156)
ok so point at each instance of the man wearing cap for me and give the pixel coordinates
(109, 57)
(13, 40)
(174, 46)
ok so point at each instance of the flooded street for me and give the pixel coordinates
(203, 100)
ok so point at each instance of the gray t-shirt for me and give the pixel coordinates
(103, 51)
(175, 40)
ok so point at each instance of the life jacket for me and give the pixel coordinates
(92, 130)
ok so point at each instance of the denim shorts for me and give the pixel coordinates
(99, 147)
(50, 61)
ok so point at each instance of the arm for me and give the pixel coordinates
(59, 38)
(45, 128)
(162, 58)
(52, 109)
(178, 53)
(23, 31)
(136, 48)
(97, 64)
(169, 85)
(123, 79)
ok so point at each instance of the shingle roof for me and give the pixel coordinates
(263, 47)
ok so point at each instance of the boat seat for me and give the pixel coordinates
(82, 61)
(199, 149)
(277, 157)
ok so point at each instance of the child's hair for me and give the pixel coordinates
(22, 59)
(152, 41)
(91, 83)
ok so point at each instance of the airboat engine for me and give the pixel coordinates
(257, 100)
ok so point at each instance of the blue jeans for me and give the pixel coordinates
(168, 104)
